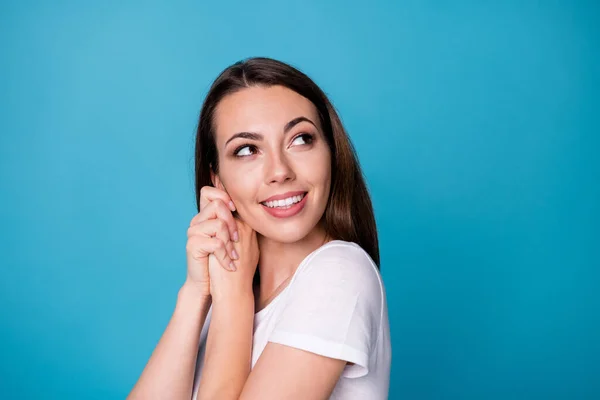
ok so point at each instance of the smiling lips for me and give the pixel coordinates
(286, 206)
(284, 203)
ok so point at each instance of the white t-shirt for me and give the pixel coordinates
(335, 305)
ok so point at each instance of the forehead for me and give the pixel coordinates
(261, 109)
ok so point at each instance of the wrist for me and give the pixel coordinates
(190, 292)
(244, 296)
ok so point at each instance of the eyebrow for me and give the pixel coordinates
(258, 136)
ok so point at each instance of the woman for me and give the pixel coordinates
(283, 292)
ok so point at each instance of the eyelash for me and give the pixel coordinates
(308, 139)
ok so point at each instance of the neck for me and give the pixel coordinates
(279, 261)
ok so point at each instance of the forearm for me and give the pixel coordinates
(169, 373)
(228, 355)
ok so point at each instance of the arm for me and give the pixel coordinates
(169, 373)
(284, 372)
(228, 347)
(228, 356)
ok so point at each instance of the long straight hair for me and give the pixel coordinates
(349, 212)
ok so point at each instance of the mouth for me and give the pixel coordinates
(287, 207)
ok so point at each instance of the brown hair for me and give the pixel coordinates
(349, 213)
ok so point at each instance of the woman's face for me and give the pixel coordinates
(271, 144)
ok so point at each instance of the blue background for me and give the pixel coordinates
(476, 124)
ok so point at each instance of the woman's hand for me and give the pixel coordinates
(227, 285)
(210, 233)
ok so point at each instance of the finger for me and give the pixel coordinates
(214, 228)
(218, 209)
(200, 247)
(220, 252)
(209, 193)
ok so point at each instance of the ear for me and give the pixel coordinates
(216, 181)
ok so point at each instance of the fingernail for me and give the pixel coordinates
(232, 266)
(231, 205)
(236, 237)
(234, 254)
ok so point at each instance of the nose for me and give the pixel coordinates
(278, 169)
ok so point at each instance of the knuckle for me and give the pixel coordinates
(218, 203)
(221, 225)
(196, 242)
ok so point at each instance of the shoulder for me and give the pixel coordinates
(340, 259)
(334, 305)
(341, 269)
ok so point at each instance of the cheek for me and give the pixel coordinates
(241, 186)
(322, 173)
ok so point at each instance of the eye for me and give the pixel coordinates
(306, 137)
(244, 150)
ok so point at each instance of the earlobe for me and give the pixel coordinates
(216, 181)
(213, 177)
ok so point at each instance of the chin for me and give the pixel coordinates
(291, 234)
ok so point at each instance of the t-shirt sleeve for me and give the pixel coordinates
(334, 307)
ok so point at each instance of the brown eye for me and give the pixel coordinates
(244, 150)
(306, 137)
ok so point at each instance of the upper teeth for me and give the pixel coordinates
(284, 202)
